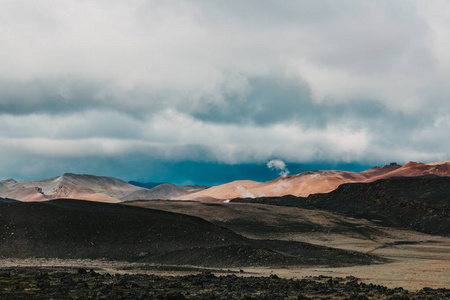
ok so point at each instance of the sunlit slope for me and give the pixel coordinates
(314, 182)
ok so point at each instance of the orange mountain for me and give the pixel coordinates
(307, 183)
(113, 190)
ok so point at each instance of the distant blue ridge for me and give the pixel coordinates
(147, 185)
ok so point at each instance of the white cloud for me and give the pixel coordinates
(381, 50)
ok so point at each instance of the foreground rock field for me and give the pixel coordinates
(39, 283)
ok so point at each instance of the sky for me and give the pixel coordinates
(210, 91)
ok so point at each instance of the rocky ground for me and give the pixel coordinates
(38, 283)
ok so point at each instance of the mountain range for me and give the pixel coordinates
(88, 187)
(113, 190)
(307, 183)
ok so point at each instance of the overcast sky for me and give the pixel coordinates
(187, 91)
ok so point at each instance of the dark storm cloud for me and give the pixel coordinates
(281, 99)
(69, 95)
(268, 100)
(51, 96)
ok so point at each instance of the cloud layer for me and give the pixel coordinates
(221, 82)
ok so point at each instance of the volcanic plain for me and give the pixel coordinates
(365, 238)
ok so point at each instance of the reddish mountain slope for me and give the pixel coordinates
(108, 189)
(307, 183)
(417, 169)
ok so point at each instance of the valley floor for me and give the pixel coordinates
(415, 260)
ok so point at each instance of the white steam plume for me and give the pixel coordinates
(278, 165)
(244, 192)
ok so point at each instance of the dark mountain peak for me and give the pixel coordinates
(391, 166)
(413, 164)
(378, 171)
(146, 185)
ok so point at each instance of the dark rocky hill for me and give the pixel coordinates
(85, 229)
(420, 203)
